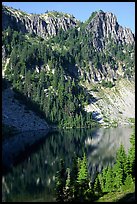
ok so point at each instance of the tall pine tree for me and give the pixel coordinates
(120, 168)
(83, 179)
(60, 182)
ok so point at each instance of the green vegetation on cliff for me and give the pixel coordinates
(50, 72)
(41, 74)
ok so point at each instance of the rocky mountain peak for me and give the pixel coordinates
(104, 25)
(43, 25)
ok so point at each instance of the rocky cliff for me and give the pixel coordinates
(43, 25)
(104, 26)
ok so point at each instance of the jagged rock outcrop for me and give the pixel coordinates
(43, 25)
(103, 26)
(104, 73)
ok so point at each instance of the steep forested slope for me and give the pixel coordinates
(61, 63)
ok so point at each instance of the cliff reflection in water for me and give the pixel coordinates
(34, 178)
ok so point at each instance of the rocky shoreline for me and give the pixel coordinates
(16, 115)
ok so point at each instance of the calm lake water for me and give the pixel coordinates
(32, 177)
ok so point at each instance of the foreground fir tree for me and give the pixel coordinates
(119, 168)
(102, 179)
(131, 156)
(83, 181)
(128, 182)
(68, 196)
(60, 182)
(73, 177)
(109, 180)
(97, 186)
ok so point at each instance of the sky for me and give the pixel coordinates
(124, 11)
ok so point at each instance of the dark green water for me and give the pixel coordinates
(32, 178)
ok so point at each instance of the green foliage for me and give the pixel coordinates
(120, 168)
(102, 179)
(109, 184)
(122, 173)
(107, 84)
(77, 183)
(83, 180)
(78, 186)
(91, 17)
(83, 172)
(58, 94)
(128, 182)
(68, 193)
(126, 195)
(131, 156)
(60, 182)
(97, 186)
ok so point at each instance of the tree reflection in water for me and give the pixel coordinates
(34, 178)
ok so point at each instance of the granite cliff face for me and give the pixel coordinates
(105, 26)
(102, 29)
(44, 25)
(102, 25)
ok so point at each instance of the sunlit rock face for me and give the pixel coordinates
(43, 25)
(104, 25)
(102, 29)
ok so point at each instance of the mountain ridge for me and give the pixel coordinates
(65, 21)
(37, 24)
(56, 60)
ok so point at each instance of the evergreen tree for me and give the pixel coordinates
(109, 180)
(68, 189)
(73, 176)
(128, 182)
(102, 179)
(97, 186)
(131, 156)
(120, 168)
(83, 180)
(60, 182)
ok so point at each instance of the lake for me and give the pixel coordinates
(31, 176)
